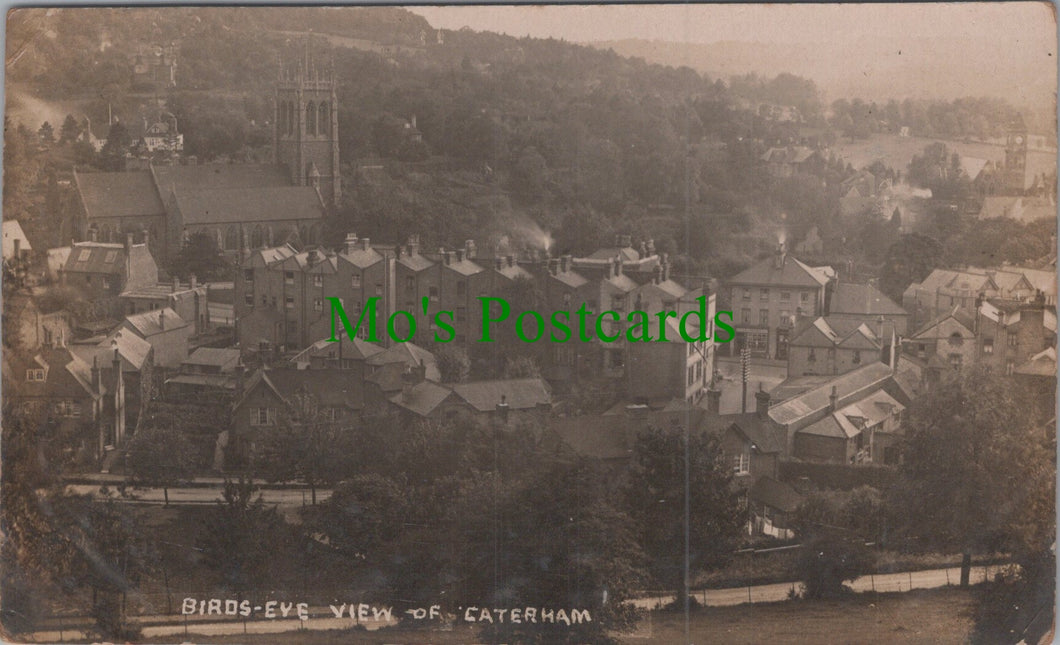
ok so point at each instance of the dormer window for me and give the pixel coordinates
(110, 257)
(955, 339)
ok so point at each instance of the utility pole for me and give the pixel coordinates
(745, 373)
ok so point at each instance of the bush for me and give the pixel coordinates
(825, 563)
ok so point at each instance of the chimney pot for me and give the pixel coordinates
(832, 399)
(194, 281)
(176, 284)
(511, 260)
(351, 242)
(366, 244)
(460, 255)
(162, 318)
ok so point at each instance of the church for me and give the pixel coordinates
(242, 206)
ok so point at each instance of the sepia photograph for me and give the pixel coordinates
(571, 323)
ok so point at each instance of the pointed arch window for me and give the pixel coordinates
(257, 238)
(290, 117)
(324, 116)
(311, 118)
(232, 238)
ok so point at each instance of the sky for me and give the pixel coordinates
(806, 23)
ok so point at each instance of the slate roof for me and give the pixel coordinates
(422, 398)
(415, 262)
(570, 278)
(257, 204)
(92, 257)
(118, 194)
(408, 354)
(224, 358)
(362, 258)
(863, 379)
(210, 176)
(519, 394)
(355, 349)
(67, 376)
(464, 267)
(759, 431)
(850, 298)
(792, 273)
(626, 253)
(132, 349)
(147, 323)
(1041, 364)
(331, 387)
(958, 314)
(596, 436)
(831, 331)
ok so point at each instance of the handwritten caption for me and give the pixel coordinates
(362, 612)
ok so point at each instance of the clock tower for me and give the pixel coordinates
(1014, 178)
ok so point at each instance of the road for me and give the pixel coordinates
(282, 498)
(766, 376)
(321, 618)
(927, 579)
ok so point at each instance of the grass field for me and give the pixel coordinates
(935, 616)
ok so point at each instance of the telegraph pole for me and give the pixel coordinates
(745, 373)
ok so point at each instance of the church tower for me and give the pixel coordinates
(1015, 175)
(305, 128)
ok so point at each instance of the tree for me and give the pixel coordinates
(112, 156)
(974, 469)
(239, 535)
(70, 130)
(306, 445)
(46, 133)
(160, 457)
(655, 498)
(908, 260)
(200, 257)
(453, 363)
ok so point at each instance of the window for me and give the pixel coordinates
(741, 463)
(618, 359)
(955, 361)
(88, 279)
(1013, 340)
(745, 316)
(763, 294)
(289, 302)
(410, 283)
(318, 305)
(618, 302)
(355, 280)
(988, 345)
(763, 317)
(110, 257)
(461, 289)
(264, 300)
(812, 358)
(785, 295)
(262, 416)
(432, 293)
(1010, 367)
(35, 375)
(785, 315)
(378, 288)
(831, 353)
(288, 277)
(691, 375)
(746, 294)
(461, 314)
(564, 355)
(804, 296)
(248, 275)
(318, 280)
(955, 339)
(566, 299)
(857, 357)
(106, 283)
(248, 298)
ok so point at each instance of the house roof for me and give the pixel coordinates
(96, 257)
(331, 387)
(211, 176)
(66, 374)
(1041, 364)
(408, 354)
(832, 331)
(132, 349)
(275, 254)
(596, 436)
(415, 261)
(362, 258)
(873, 408)
(519, 394)
(850, 298)
(422, 398)
(757, 429)
(149, 323)
(570, 278)
(224, 358)
(959, 315)
(118, 194)
(356, 350)
(258, 204)
(791, 273)
(12, 231)
(625, 253)
(863, 379)
(464, 267)
(775, 494)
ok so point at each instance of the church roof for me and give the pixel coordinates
(210, 176)
(249, 204)
(118, 194)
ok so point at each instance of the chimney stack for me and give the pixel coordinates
(714, 400)
(656, 276)
(502, 408)
(762, 399)
(128, 241)
(95, 373)
(778, 256)
(176, 284)
(498, 263)
(460, 255)
(351, 243)
(194, 281)
(832, 400)
(162, 318)
(366, 244)
(511, 260)
(553, 264)
(618, 266)
(564, 263)
(469, 249)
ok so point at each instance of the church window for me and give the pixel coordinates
(290, 117)
(324, 117)
(231, 238)
(310, 118)
(257, 238)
